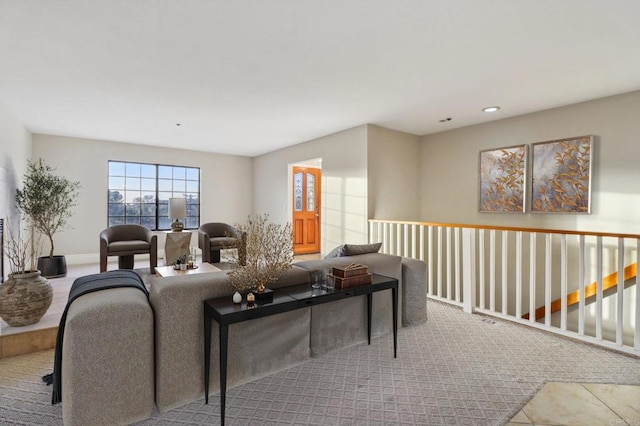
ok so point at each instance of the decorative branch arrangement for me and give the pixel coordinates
(269, 253)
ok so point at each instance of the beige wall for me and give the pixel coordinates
(344, 184)
(226, 185)
(393, 171)
(449, 175)
(15, 149)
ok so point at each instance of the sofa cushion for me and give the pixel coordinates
(355, 249)
(336, 252)
(125, 246)
(344, 322)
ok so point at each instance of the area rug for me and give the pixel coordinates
(456, 369)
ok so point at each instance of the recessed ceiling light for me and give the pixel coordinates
(491, 109)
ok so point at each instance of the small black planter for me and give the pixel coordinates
(52, 267)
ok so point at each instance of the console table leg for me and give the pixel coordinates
(224, 338)
(369, 306)
(394, 296)
(207, 356)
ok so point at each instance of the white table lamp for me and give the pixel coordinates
(177, 210)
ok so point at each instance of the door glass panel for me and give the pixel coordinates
(311, 192)
(297, 192)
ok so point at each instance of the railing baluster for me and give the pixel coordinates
(457, 262)
(385, 238)
(481, 266)
(636, 338)
(439, 241)
(398, 240)
(492, 270)
(599, 278)
(448, 254)
(405, 239)
(414, 230)
(620, 294)
(581, 284)
(469, 270)
(563, 282)
(519, 275)
(422, 242)
(547, 281)
(505, 259)
(532, 277)
(430, 255)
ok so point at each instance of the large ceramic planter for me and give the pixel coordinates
(24, 298)
(52, 267)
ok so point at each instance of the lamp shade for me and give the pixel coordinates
(177, 208)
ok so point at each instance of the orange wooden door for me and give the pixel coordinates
(306, 210)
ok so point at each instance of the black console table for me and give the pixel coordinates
(286, 299)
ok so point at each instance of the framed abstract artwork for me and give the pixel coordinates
(502, 180)
(561, 175)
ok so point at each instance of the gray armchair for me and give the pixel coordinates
(212, 237)
(125, 241)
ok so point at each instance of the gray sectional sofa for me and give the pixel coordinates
(256, 347)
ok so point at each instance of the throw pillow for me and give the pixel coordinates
(354, 249)
(336, 252)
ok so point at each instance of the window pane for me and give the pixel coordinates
(116, 182)
(148, 171)
(164, 185)
(133, 170)
(133, 183)
(192, 223)
(311, 192)
(179, 173)
(148, 209)
(132, 196)
(192, 199)
(193, 210)
(193, 174)
(163, 209)
(115, 197)
(149, 222)
(165, 172)
(179, 187)
(134, 219)
(116, 209)
(192, 186)
(148, 197)
(116, 220)
(133, 210)
(297, 191)
(148, 185)
(116, 168)
(163, 197)
(164, 222)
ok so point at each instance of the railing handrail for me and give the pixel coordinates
(508, 228)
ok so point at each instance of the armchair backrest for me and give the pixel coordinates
(126, 233)
(216, 229)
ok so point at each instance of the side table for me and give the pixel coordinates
(176, 245)
(285, 299)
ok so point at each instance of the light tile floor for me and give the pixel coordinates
(582, 404)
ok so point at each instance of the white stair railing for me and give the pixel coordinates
(536, 277)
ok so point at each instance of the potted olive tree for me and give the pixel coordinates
(47, 200)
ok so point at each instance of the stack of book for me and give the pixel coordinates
(352, 275)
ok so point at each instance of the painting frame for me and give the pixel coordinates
(561, 173)
(502, 179)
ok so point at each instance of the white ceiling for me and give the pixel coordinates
(250, 76)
